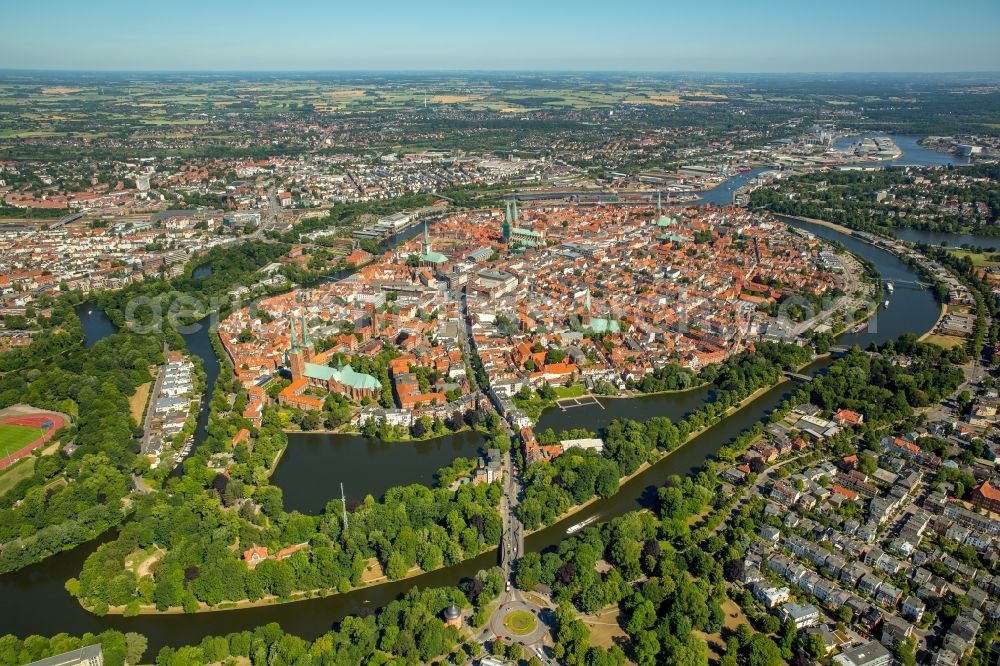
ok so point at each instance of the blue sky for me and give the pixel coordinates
(647, 35)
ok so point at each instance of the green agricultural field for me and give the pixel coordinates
(15, 437)
(49, 117)
(144, 103)
(174, 121)
(36, 134)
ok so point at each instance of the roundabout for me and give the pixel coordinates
(517, 621)
(520, 622)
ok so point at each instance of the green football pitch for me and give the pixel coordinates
(14, 438)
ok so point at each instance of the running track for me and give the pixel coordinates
(31, 421)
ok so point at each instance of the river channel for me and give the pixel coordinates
(314, 465)
(913, 155)
(35, 601)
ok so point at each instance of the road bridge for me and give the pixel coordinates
(63, 221)
(797, 376)
(914, 284)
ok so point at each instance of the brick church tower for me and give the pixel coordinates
(296, 360)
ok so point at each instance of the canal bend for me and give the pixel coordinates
(36, 602)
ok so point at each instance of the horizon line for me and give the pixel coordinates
(67, 70)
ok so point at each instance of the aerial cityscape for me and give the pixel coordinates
(641, 334)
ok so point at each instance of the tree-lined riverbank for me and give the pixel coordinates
(43, 601)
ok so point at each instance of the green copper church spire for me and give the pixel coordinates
(291, 326)
(661, 219)
(306, 340)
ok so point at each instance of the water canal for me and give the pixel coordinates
(199, 343)
(945, 238)
(315, 464)
(37, 603)
(96, 324)
(913, 155)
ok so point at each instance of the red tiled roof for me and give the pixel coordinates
(846, 492)
(255, 554)
(988, 491)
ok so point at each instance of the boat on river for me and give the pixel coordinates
(573, 529)
(886, 304)
(890, 286)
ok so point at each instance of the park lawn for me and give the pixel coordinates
(137, 401)
(9, 477)
(605, 630)
(14, 438)
(734, 617)
(946, 341)
(979, 259)
(574, 391)
(373, 572)
(695, 518)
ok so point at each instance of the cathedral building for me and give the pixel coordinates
(310, 370)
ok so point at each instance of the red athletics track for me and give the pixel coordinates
(31, 421)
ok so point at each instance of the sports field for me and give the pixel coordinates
(15, 437)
